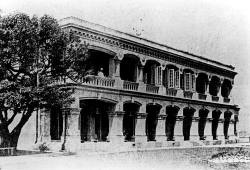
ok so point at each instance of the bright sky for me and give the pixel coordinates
(219, 30)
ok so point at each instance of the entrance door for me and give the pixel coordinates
(94, 120)
(131, 109)
(187, 122)
(170, 122)
(152, 121)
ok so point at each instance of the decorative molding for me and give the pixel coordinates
(179, 118)
(141, 115)
(152, 52)
(195, 119)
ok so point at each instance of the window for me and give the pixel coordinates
(177, 79)
(189, 82)
(158, 76)
(171, 78)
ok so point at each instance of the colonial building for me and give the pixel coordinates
(142, 94)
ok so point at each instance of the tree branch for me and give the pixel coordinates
(12, 117)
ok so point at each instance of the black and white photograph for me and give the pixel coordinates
(124, 85)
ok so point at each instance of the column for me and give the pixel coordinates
(71, 133)
(160, 129)
(115, 127)
(178, 126)
(140, 75)
(140, 127)
(220, 129)
(194, 135)
(44, 126)
(117, 68)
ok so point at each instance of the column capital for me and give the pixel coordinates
(141, 115)
(71, 111)
(116, 113)
(179, 118)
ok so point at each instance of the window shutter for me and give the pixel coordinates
(171, 78)
(187, 79)
(193, 82)
(158, 75)
(177, 79)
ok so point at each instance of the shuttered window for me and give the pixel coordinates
(171, 78)
(177, 79)
(158, 76)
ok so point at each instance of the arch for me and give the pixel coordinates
(201, 83)
(133, 101)
(216, 116)
(188, 70)
(99, 98)
(128, 67)
(227, 116)
(149, 71)
(153, 111)
(171, 112)
(129, 120)
(155, 104)
(203, 113)
(104, 50)
(188, 114)
(94, 119)
(214, 85)
(226, 88)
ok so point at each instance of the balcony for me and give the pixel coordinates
(128, 85)
(98, 81)
(226, 100)
(215, 98)
(171, 92)
(202, 96)
(152, 89)
(188, 94)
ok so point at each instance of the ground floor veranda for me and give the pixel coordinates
(125, 118)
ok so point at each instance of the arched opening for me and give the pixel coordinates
(152, 120)
(129, 121)
(188, 114)
(227, 117)
(226, 88)
(150, 72)
(214, 86)
(216, 116)
(201, 83)
(128, 69)
(56, 123)
(171, 113)
(95, 120)
(171, 77)
(99, 60)
(188, 80)
(203, 113)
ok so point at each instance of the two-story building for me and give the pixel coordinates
(147, 94)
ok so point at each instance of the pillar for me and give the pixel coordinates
(140, 127)
(140, 75)
(44, 126)
(71, 132)
(178, 128)
(194, 135)
(115, 127)
(160, 129)
(220, 129)
(117, 68)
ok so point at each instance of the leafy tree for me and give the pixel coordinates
(35, 54)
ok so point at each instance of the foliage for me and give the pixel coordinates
(34, 54)
(43, 147)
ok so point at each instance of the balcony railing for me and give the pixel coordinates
(188, 94)
(215, 98)
(99, 81)
(128, 85)
(226, 100)
(202, 96)
(171, 92)
(152, 89)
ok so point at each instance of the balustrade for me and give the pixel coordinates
(215, 98)
(226, 100)
(152, 89)
(128, 85)
(171, 92)
(202, 96)
(99, 81)
(188, 94)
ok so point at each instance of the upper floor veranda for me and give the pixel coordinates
(134, 64)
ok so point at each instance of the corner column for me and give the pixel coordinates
(44, 126)
(71, 129)
(160, 129)
(115, 126)
(140, 127)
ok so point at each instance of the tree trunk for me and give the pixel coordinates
(9, 139)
